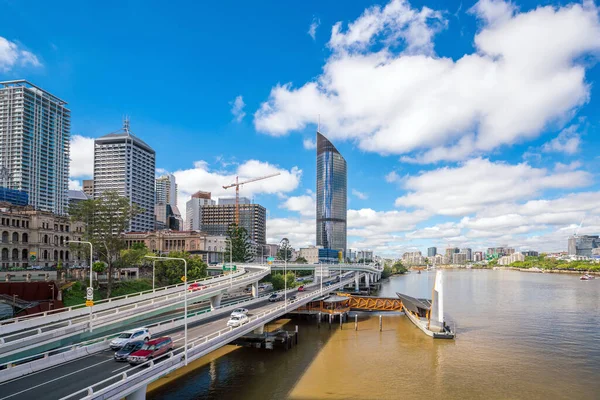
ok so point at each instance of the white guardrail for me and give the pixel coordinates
(21, 367)
(120, 385)
(21, 341)
(42, 318)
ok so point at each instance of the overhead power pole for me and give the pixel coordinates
(237, 185)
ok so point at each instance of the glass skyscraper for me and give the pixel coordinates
(331, 196)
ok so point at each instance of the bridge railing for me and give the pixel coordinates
(144, 373)
(167, 301)
(98, 303)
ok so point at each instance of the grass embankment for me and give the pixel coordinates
(76, 294)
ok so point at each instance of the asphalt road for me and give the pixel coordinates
(64, 379)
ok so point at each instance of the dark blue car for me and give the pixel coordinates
(126, 350)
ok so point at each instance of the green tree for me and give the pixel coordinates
(169, 272)
(399, 268)
(106, 218)
(285, 250)
(135, 255)
(301, 260)
(278, 282)
(242, 249)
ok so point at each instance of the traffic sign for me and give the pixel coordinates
(229, 267)
(183, 279)
(270, 258)
(90, 293)
(89, 303)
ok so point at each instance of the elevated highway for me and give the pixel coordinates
(97, 376)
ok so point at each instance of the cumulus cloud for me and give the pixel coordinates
(75, 184)
(392, 177)
(300, 232)
(82, 157)
(312, 29)
(237, 108)
(12, 55)
(304, 205)
(479, 182)
(309, 144)
(567, 141)
(360, 195)
(201, 177)
(414, 103)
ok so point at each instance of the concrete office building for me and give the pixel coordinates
(123, 163)
(468, 252)
(215, 220)
(582, 245)
(35, 127)
(332, 182)
(193, 209)
(88, 187)
(166, 210)
(431, 252)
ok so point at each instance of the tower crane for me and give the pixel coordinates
(237, 185)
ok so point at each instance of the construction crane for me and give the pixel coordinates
(237, 185)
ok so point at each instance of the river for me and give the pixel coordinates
(520, 336)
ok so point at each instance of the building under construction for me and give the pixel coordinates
(215, 219)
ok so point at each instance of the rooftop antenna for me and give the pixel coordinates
(126, 123)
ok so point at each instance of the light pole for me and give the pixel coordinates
(153, 266)
(52, 302)
(185, 287)
(91, 255)
(284, 244)
(230, 261)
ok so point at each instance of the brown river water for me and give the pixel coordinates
(520, 336)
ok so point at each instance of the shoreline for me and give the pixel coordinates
(540, 271)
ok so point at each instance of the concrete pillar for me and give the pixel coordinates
(367, 279)
(139, 394)
(356, 281)
(255, 289)
(260, 330)
(215, 301)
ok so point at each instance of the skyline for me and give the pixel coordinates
(489, 153)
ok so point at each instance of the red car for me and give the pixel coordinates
(152, 349)
(196, 286)
(301, 288)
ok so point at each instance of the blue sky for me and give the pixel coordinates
(463, 124)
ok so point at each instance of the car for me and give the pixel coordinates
(237, 320)
(126, 350)
(196, 286)
(131, 335)
(243, 311)
(292, 297)
(301, 288)
(150, 350)
(327, 283)
(275, 297)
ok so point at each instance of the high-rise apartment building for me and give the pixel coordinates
(88, 187)
(166, 190)
(193, 209)
(468, 253)
(331, 196)
(431, 252)
(215, 219)
(35, 127)
(166, 195)
(123, 163)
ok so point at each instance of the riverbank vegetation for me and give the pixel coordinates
(76, 293)
(549, 263)
(396, 269)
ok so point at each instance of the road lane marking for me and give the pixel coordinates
(55, 379)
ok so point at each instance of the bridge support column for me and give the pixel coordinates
(215, 301)
(356, 281)
(367, 276)
(255, 289)
(260, 330)
(139, 394)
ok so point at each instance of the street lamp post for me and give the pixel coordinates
(153, 266)
(185, 340)
(52, 301)
(286, 242)
(91, 261)
(230, 261)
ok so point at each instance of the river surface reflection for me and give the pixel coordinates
(520, 336)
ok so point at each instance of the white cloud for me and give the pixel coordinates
(300, 232)
(445, 230)
(305, 205)
(312, 30)
(392, 177)
(360, 195)
(407, 102)
(479, 183)
(200, 177)
(560, 167)
(12, 55)
(309, 144)
(82, 157)
(75, 184)
(368, 222)
(237, 108)
(567, 141)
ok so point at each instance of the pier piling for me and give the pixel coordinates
(380, 323)
(356, 322)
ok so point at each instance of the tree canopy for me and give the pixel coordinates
(285, 250)
(278, 282)
(106, 218)
(169, 272)
(241, 251)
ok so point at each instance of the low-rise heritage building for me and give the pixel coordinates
(31, 237)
